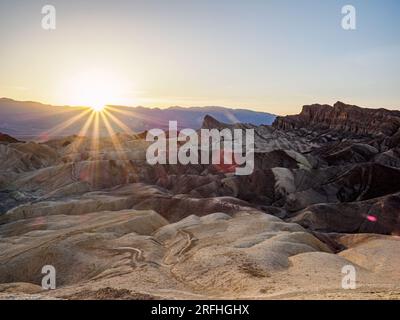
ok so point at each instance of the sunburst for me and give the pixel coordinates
(94, 88)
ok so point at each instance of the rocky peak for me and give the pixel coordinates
(210, 122)
(344, 118)
(5, 138)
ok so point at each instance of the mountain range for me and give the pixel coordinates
(32, 120)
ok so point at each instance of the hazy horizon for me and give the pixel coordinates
(136, 106)
(205, 106)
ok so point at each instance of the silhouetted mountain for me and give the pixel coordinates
(32, 119)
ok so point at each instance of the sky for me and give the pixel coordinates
(272, 56)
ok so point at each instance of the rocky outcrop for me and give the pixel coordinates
(5, 138)
(343, 119)
(378, 215)
(211, 123)
(23, 157)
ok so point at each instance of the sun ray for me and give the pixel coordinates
(113, 136)
(132, 113)
(86, 126)
(55, 112)
(96, 133)
(94, 150)
(84, 130)
(62, 126)
(118, 122)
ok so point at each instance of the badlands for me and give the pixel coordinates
(324, 194)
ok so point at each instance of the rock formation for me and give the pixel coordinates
(5, 138)
(343, 118)
(325, 193)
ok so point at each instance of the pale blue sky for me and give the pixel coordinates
(272, 55)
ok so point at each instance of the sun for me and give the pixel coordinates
(98, 108)
(94, 89)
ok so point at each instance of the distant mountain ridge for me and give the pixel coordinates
(343, 118)
(26, 118)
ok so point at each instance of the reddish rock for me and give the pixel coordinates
(343, 118)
